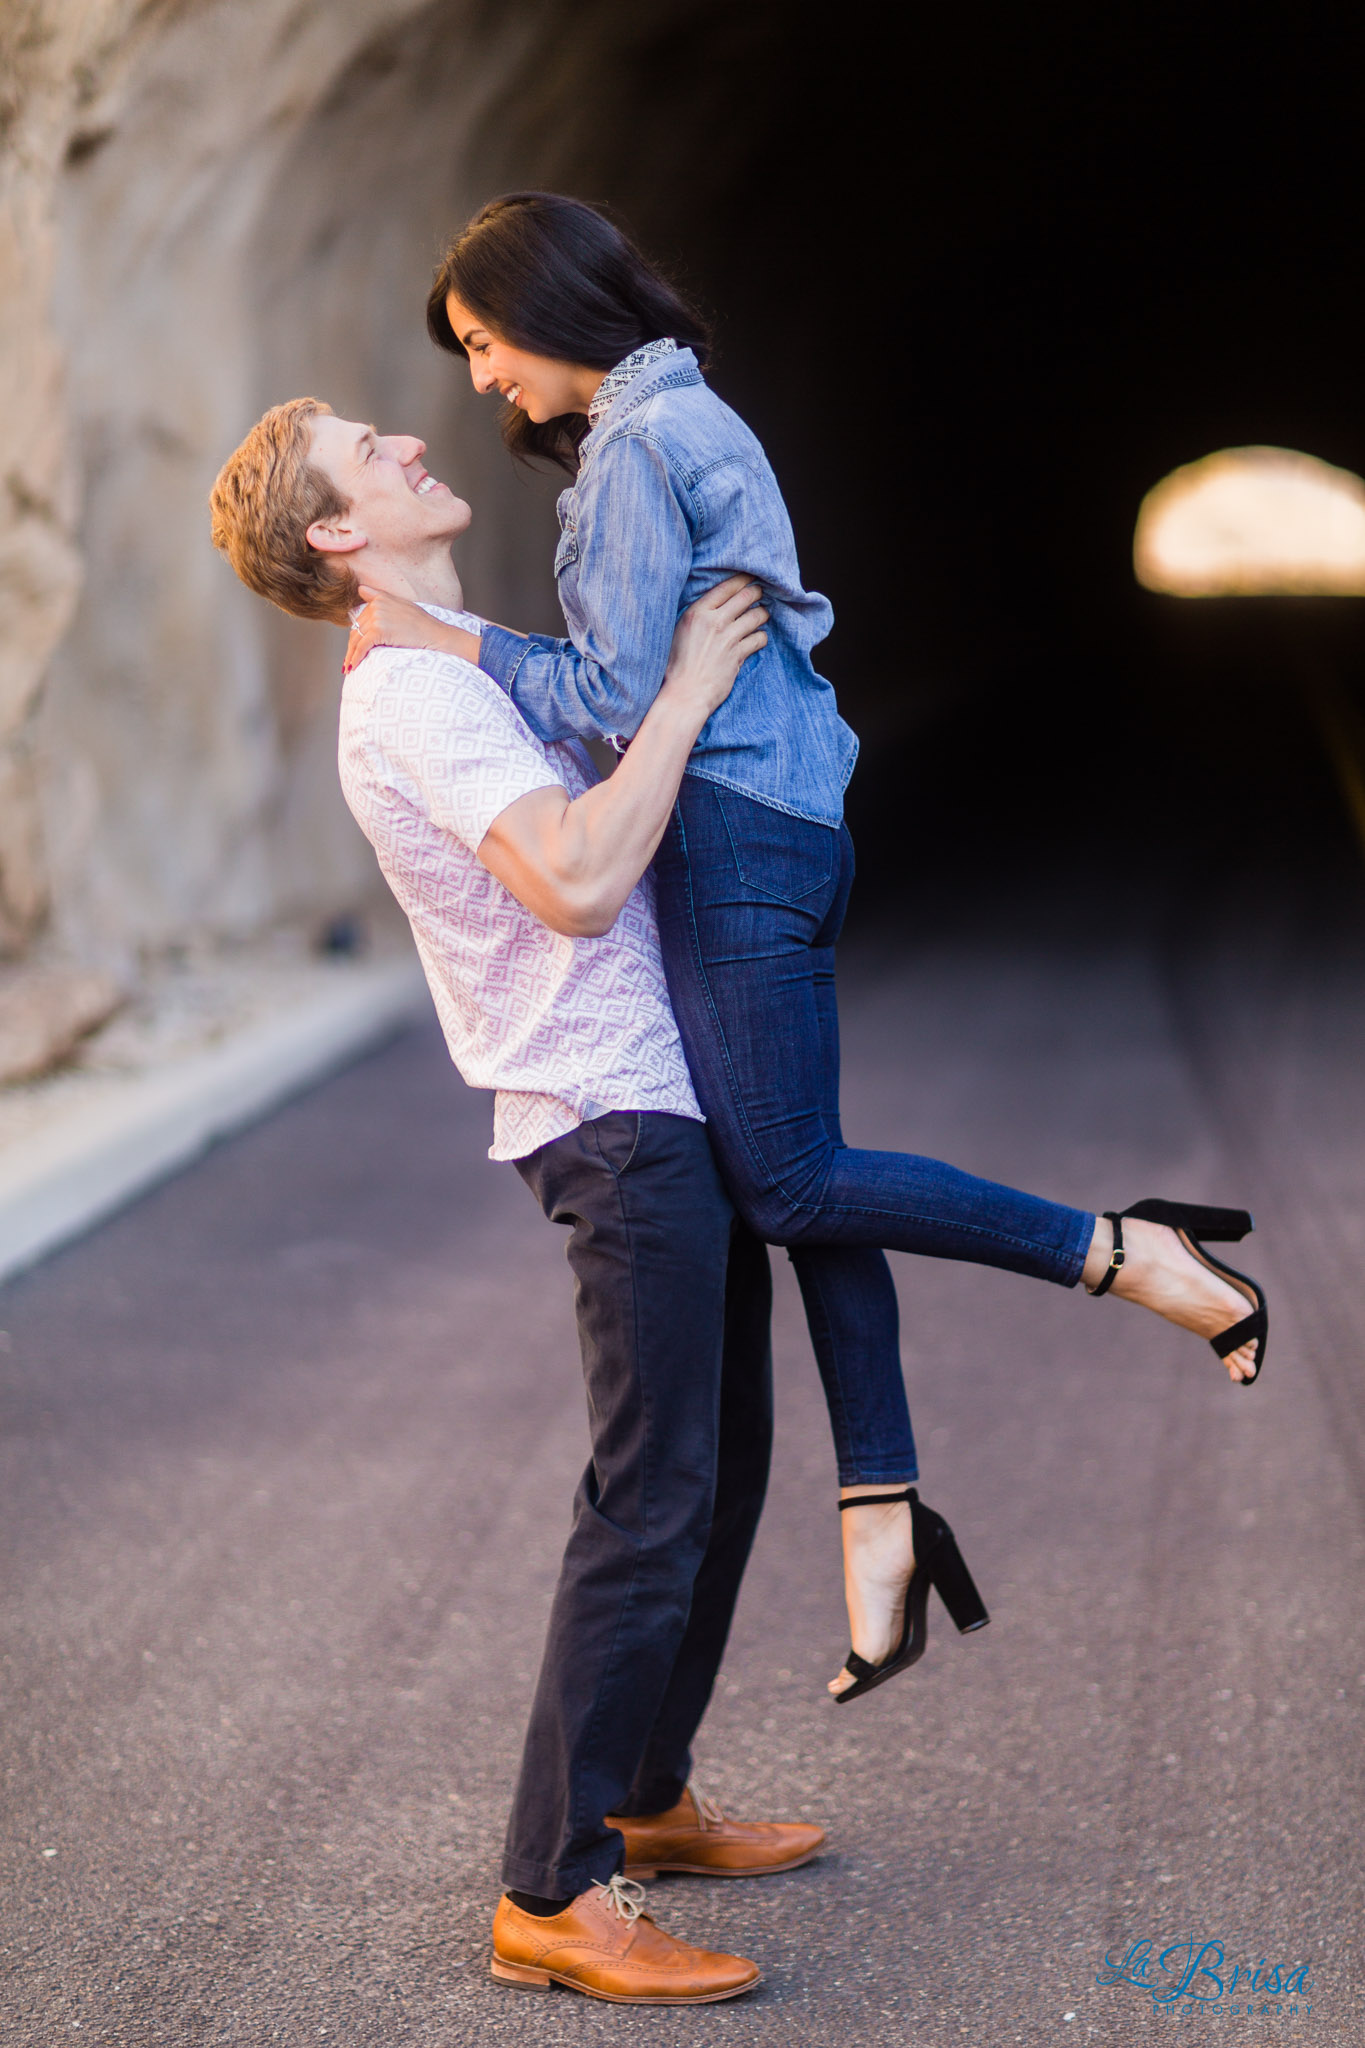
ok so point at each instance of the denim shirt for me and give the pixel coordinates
(673, 494)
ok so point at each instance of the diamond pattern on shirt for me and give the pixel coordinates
(431, 751)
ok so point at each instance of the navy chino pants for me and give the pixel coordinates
(673, 1297)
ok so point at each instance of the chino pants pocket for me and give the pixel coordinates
(617, 1138)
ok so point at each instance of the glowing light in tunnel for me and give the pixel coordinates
(1253, 522)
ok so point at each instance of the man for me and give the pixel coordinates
(525, 883)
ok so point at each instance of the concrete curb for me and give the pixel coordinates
(71, 1175)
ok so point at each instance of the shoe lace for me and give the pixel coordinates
(708, 1813)
(622, 1896)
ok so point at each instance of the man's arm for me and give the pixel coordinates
(573, 864)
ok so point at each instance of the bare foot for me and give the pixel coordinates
(1161, 1272)
(879, 1560)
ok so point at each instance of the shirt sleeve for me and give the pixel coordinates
(634, 539)
(459, 747)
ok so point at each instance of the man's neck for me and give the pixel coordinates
(426, 582)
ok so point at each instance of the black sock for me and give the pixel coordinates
(542, 1909)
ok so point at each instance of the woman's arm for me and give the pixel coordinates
(635, 545)
(388, 621)
(573, 864)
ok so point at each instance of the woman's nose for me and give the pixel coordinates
(482, 376)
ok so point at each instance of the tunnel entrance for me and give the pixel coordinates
(1004, 287)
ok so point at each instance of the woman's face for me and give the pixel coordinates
(541, 386)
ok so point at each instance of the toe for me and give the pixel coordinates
(840, 1684)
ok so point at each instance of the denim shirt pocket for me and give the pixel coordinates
(567, 551)
(776, 854)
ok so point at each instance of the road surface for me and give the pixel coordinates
(288, 1453)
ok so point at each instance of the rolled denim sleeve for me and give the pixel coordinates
(634, 540)
(501, 653)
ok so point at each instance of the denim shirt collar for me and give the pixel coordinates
(626, 371)
(679, 366)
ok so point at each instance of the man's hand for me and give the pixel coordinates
(392, 622)
(711, 642)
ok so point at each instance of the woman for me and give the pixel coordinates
(600, 361)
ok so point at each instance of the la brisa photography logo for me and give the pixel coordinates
(1202, 1976)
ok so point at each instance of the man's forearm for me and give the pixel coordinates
(612, 831)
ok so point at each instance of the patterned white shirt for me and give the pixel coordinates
(431, 751)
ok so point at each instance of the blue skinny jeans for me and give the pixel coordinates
(751, 902)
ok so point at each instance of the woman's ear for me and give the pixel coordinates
(334, 537)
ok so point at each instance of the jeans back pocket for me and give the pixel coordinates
(775, 854)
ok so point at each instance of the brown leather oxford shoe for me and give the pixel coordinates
(696, 1836)
(606, 1945)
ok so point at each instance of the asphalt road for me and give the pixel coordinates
(288, 1452)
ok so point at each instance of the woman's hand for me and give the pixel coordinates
(711, 642)
(394, 622)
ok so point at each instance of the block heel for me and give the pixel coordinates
(1211, 1226)
(956, 1587)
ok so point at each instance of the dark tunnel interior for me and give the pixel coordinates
(982, 276)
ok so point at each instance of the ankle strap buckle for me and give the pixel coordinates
(1116, 1257)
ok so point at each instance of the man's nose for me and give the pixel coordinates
(408, 449)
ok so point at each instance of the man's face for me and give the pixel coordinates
(396, 508)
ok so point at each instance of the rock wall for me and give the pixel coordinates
(182, 745)
(43, 65)
(209, 205)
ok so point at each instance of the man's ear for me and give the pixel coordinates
(334, 537)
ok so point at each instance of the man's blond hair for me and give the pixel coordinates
(266, 497)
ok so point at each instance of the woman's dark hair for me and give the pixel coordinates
(553, 276)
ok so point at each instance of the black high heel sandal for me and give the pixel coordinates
(938, 1563)
(1195, 1225)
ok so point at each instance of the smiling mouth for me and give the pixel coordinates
(513, 394)
(428, 484)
